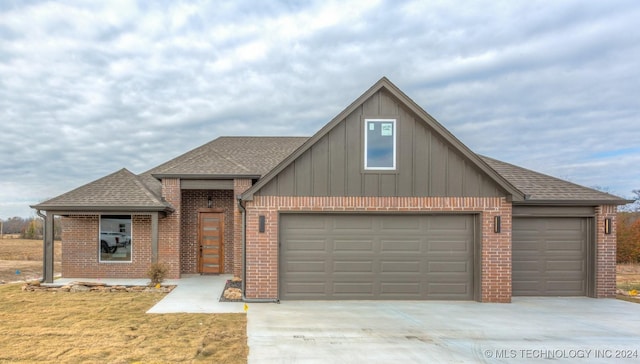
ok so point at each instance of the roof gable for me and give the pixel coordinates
(474, 167)
(121, 191)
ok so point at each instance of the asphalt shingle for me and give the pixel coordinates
(118, 190)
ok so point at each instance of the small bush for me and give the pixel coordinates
(157, 272)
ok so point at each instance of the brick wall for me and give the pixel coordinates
(239, 186)
(80, 249)
(169, 228)
(192, 200)
(262, 248)
(605, 253)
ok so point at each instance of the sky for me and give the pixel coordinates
(89, 87)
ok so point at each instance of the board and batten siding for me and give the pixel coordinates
(427, 165)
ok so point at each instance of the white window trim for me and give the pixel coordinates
(100, 247)
(366, 145)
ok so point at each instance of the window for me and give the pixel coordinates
(380, 144)
(115, 238)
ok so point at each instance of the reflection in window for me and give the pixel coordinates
(115, 238)
(380, 144)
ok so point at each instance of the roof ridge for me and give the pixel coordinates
(146, 189)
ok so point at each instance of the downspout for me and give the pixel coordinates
(244, 259)
(44, 244)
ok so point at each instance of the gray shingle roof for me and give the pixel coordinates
(231, 156)
(121, 190)
(540, 187)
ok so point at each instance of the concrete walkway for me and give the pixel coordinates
(193, 293)
(197, 294)
(567, 330)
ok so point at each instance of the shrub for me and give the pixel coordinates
(157, 272)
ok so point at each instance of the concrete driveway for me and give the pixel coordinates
(582, 330)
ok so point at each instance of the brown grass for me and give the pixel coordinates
(112, 327)
(24, 256)
(628, 278)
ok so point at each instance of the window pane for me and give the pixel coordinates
(115, 239)
(380, 144)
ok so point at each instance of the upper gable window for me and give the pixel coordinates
(380, 144)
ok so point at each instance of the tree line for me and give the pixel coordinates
(628, 232)
(28, 228)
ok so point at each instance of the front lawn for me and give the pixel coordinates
(112, 327)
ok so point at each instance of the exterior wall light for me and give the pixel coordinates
(607, 225)
(496, 224)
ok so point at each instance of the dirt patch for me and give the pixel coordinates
(21, 259)
(105, 327)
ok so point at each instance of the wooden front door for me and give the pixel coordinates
(211, 242)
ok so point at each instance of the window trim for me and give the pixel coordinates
(366, 144)
(130, 261)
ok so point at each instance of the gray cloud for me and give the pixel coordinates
(88, 88)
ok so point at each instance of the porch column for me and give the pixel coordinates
(154, 237)
(48, 248)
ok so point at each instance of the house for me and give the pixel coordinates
(382, 203)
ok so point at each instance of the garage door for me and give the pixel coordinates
(360, 257)
(550, 256)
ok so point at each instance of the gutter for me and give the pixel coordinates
(244, 259)
(44, 244)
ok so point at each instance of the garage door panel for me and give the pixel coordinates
(354, 224)
(379, 257)
(440, 289)
(307, 245)
(404, 288)
(448, 267)
(445, 246)
(549, 256)
(365, 288)
(342, 245)
(412, 245)
(305, 266)
(350, 266)
(405, 224)
(400, 266)
(575, 267)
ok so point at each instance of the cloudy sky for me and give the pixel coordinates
(87, 88)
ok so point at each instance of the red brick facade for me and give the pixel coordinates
(80, 249)
(262, 248)
(605, 253)
(169, 228)
(192, 201)
(178, 233)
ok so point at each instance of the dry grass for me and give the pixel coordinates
(97, 327)
(24, 256)
(628, 278)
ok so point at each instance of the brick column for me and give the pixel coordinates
(169, 237)
(239, 186)
(496, 255)
(605, 253)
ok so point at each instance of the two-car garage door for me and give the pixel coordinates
(369, 256)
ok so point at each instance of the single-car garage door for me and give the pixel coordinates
(550, 256)
(366, 256)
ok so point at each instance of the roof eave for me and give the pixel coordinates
(93, 209)
(160, 176)
(572, 202)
